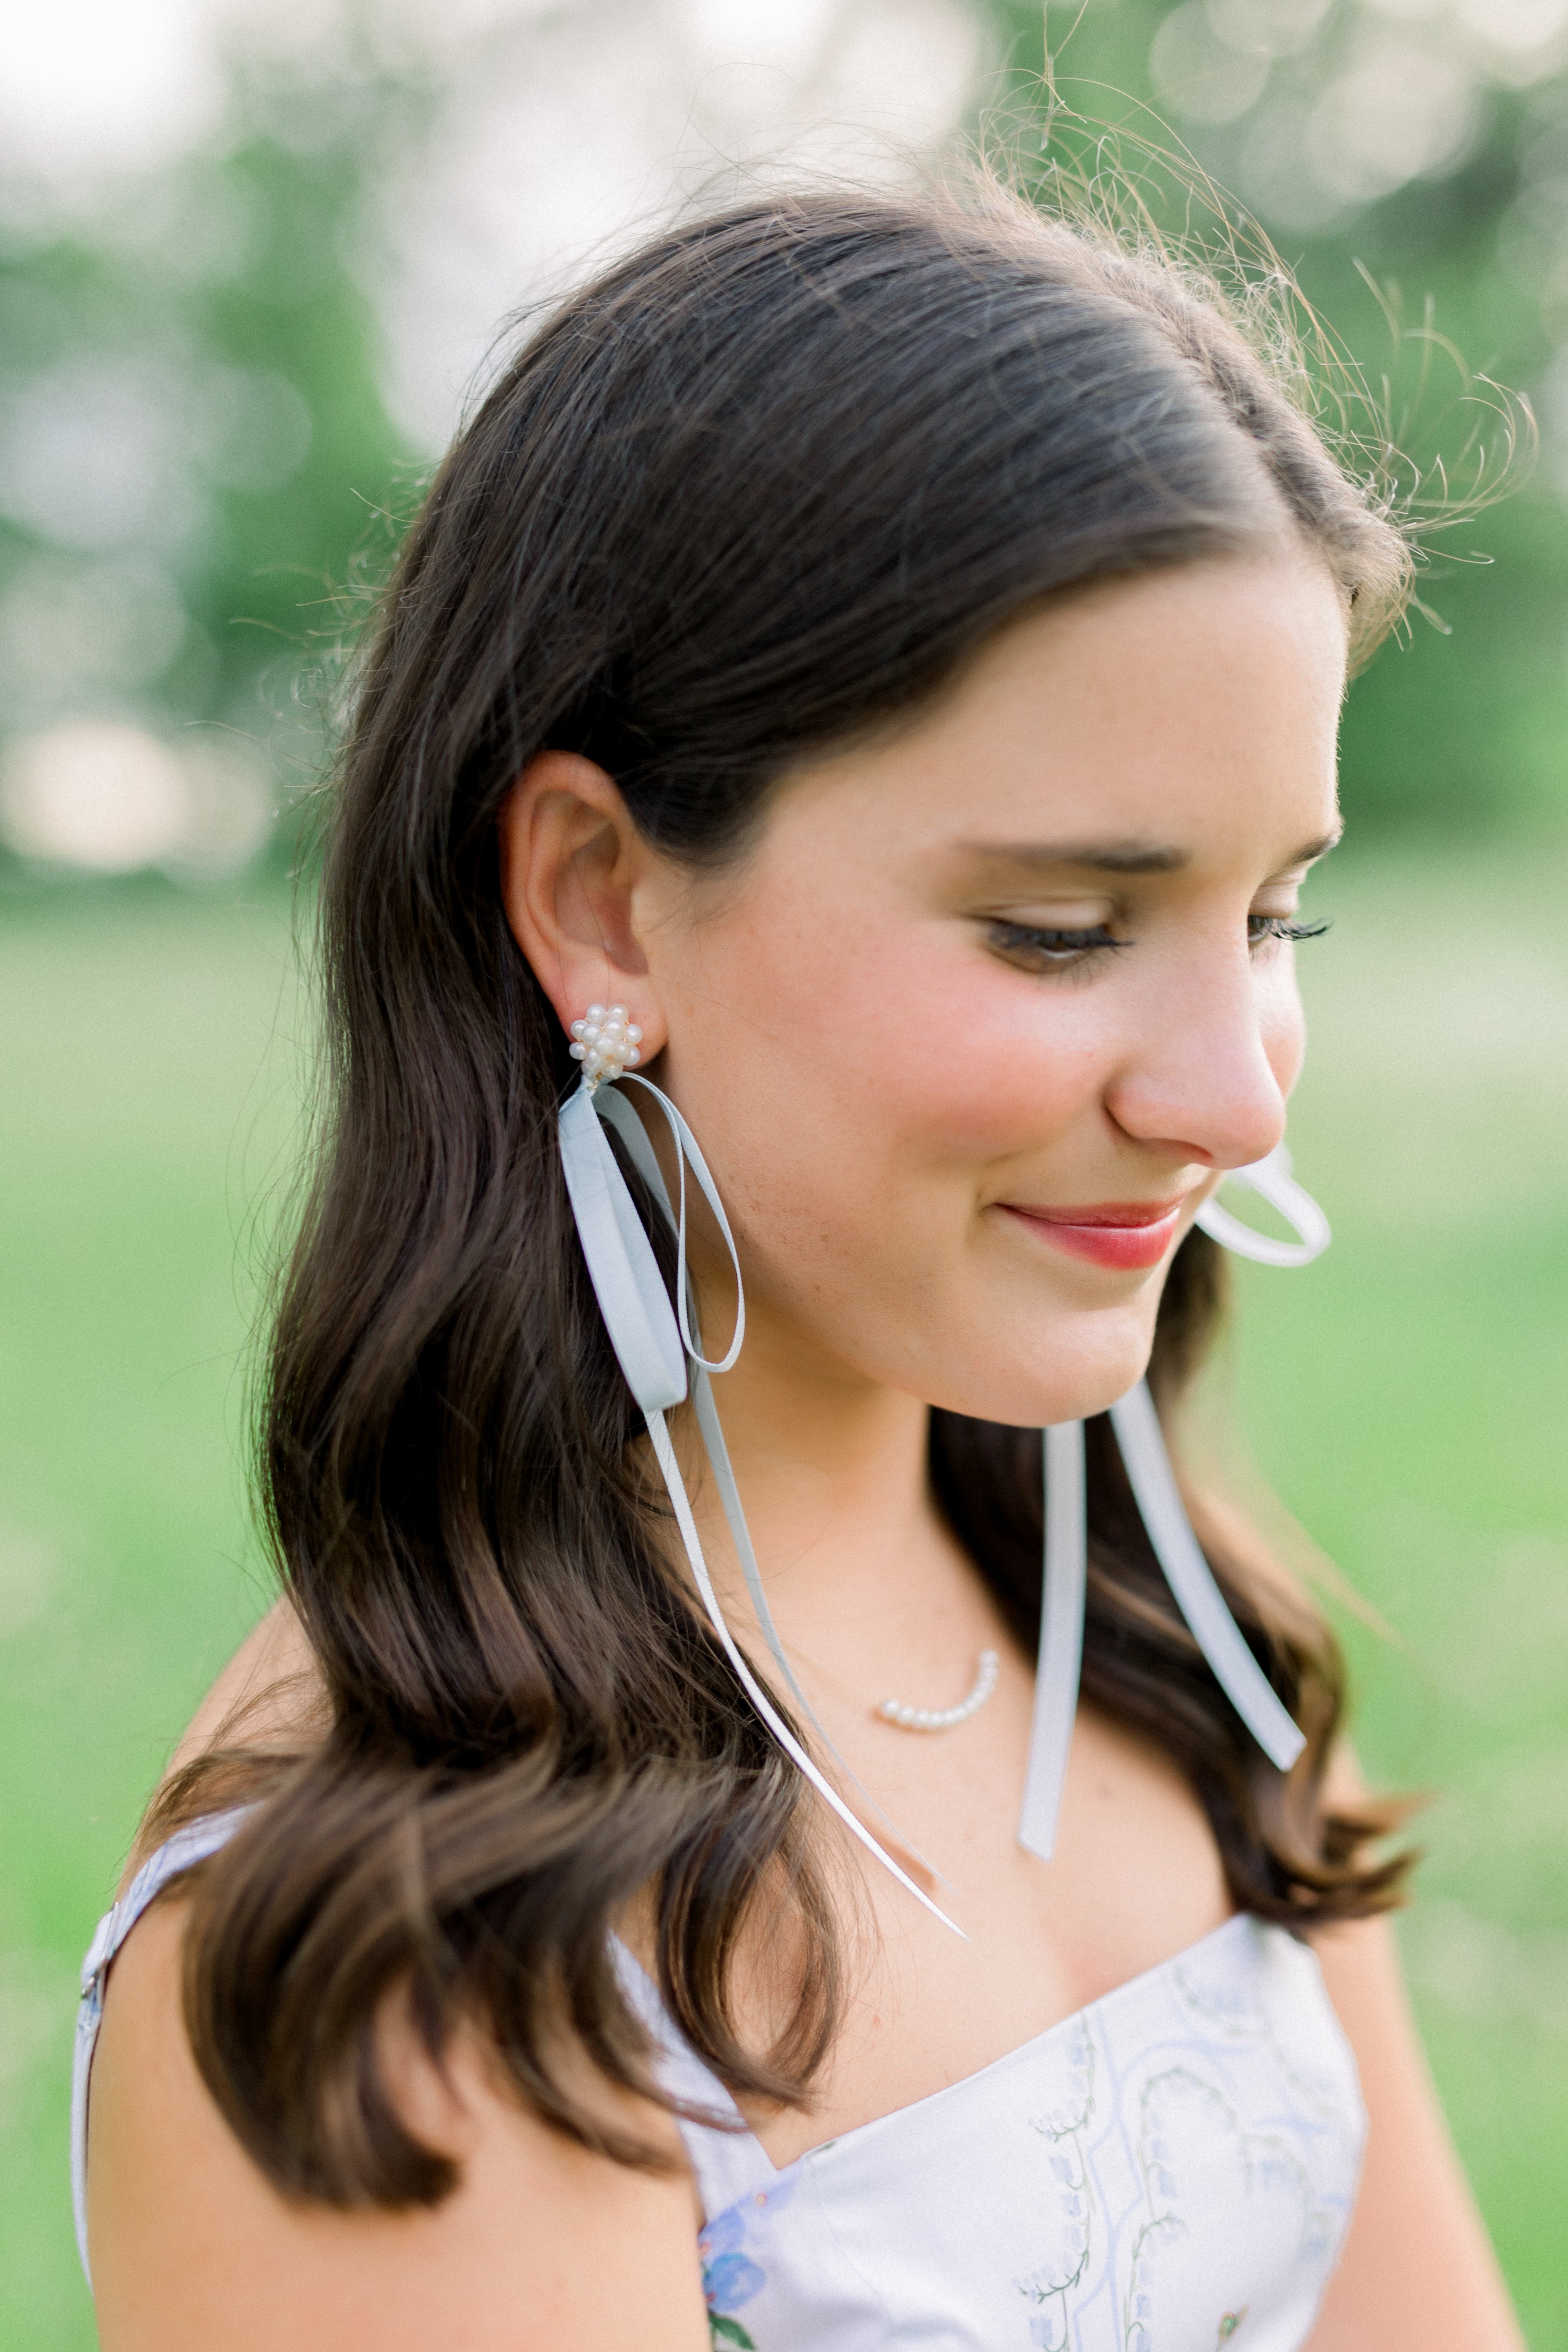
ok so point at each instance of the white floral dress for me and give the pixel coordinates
(1170, 2170)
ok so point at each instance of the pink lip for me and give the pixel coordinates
(1122, 1234)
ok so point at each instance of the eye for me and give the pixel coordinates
(1261, 929)
(1037, 948)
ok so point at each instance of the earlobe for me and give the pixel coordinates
(570, 862)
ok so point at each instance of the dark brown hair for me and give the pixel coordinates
(765, 484)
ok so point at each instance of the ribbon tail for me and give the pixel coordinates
(1190, 1579)
(611, 1105)
(614, 1108)
(670, 1468)
(1061, 1637)
(712, 1434)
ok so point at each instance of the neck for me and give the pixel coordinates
(831, 1468)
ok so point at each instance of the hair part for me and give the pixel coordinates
(766, 484)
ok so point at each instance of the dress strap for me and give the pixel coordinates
(680, 2071)
(726, 2160)
(195, 1842)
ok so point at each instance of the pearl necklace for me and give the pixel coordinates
(925, 1718)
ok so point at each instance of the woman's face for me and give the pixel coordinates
(970, 1035)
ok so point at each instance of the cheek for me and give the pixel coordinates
(864, 1097)
(862, 1100)
(925, 1046)
(989, 1072)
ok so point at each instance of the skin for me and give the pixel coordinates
(897, 1082)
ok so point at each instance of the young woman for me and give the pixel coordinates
(872, 668)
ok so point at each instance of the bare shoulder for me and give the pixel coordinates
(270, 1695)
(1417, 2270)
(540, 2245)
(270, 1692)
(1417, 2273)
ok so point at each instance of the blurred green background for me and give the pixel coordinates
(251, 259)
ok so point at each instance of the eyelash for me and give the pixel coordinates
(1057, 951)
(1069, 950)
(1280, 927)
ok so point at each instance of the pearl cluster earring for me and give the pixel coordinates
(606, 1042)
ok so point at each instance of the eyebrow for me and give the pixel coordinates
(1122, 856)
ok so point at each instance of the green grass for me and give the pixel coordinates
(143, 1070)
(1406, 1396)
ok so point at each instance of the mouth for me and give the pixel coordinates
(1127, 1236)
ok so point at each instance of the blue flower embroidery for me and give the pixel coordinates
(731, 2278)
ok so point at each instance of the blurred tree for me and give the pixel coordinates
(1425, 147)
(195, 450)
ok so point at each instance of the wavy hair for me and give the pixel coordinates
(765, 484)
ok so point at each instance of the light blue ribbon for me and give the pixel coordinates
(1153, 1483)
(1061, 1638)
(1190, 1579)
(652, 1340)
(1271, 1179)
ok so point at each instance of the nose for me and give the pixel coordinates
(1217, 1050)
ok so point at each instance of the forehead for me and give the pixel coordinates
(1176, 711)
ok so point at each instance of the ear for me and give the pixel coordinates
(570, 862)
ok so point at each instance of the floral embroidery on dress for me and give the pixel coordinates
(1238, 2013)
(731, 2278)
(1190, 2134)
(1067, 2230)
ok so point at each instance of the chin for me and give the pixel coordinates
(1089, 1362)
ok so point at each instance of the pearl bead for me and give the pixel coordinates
(946, 1719)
